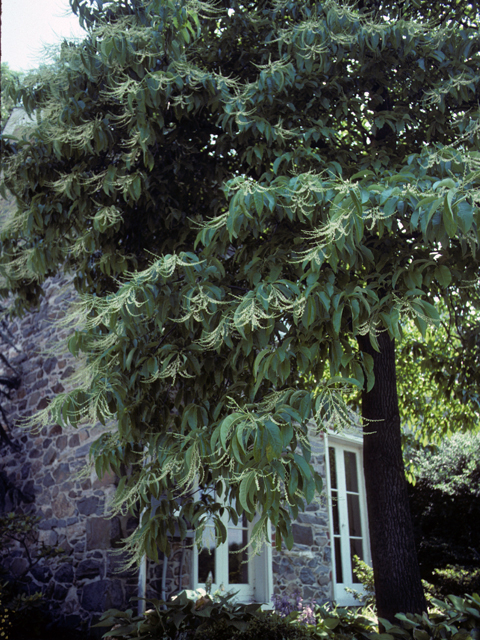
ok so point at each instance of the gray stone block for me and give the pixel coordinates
(102, 594)
(26, 471)
(302, 534)
(88, 506)
(59, 592)
(306, 576)
(49, 365)
(62, 472)
(48, 481)
(115, 598)
(48, 523)
(83, 451)
(89, 569)
(65, 574)
(41, 574)
(72, 622)
(93, 595)
(50, 456)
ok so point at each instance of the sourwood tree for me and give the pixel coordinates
(253, 198)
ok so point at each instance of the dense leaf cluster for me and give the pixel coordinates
(242, 191)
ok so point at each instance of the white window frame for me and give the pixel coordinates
(260, 571)
(343, 443)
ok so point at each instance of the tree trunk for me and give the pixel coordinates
(398, 586)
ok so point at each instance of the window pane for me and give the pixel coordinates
(338, 561)
(354, 521)
(333, 468)
(356, 549)
(351, 471)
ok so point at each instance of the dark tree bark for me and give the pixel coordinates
(398, 586)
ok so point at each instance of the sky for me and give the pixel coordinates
(29, 25)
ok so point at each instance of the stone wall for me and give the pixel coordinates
(307, 567)
(40, 475)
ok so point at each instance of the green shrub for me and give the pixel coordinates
(456, 580)
(267, 626)
(27, 613)
(452, 619)
(181, 618)
(184, 619)
(364, 573)
(5, 621)
(445, 505)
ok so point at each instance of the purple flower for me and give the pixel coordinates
(284, 605)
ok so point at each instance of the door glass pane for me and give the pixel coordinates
(206, 555)
(354, 521)
(238, 560)
(351, 471)
(356, 549)
(338, 561)
(335, 515)
(333, 467)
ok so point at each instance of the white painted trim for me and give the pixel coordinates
(346, 442)
(142, 585)
(260, 573)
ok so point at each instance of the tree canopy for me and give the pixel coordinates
(253, 198)
(438, 373)
(7, 77)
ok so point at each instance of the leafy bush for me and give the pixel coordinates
(5, 621)
(452, 619)
(266, 626)
(445, 505)
(365, 574)
(26, 612)
(189, 618)
(181, 618)
(456, 580)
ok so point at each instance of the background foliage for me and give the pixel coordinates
(445, 502)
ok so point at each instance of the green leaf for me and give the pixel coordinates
(443, 275)
(259, 202)
(274, 440)
(226, 426)
(303, 466)
(448, 217)
(244, 492)
(337, 318)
